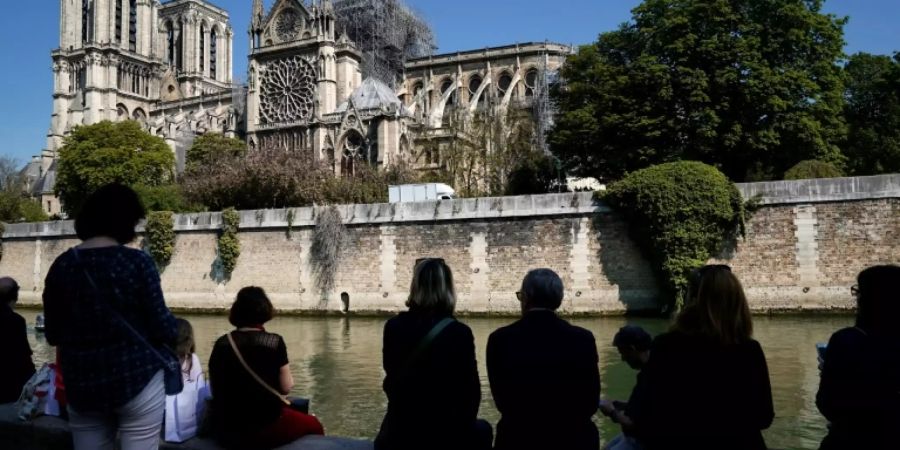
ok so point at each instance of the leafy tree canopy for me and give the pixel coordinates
(873, 114)
(810, 169)
(15, 206)
(749, 86)
(96, 155)
(208, 148)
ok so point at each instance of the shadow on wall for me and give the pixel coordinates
(624, 266)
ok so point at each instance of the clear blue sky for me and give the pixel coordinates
(29, 30)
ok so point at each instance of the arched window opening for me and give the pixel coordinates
(474, 84)
(531, 82)
(202, 48)
(87, 21)
(503, 84)
(122, 112)
(139, 115)
(353, 151)
(179, 47)
(171, 43)
(132, 25)
(445, 86)
(119, 21)
(213, 50)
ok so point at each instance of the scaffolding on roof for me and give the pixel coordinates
(387, 32)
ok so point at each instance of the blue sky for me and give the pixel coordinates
(29, 30)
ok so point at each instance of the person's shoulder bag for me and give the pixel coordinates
(171, 366)
(298, 404)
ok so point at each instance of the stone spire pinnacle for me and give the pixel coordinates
(259, 14)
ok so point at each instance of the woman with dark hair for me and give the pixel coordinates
(860, 388)
(431, 378)
(250, 377)
(104, 310)
(706, 385)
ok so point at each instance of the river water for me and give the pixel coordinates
(337, 363)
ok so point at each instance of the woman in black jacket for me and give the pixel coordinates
(860, 387)
(706, 385)
(432, 381)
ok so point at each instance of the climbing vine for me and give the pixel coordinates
(680, 215)
(325, 252)
(160, 236)
(229, 245)
(2, 230)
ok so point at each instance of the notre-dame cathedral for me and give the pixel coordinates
(169, 66)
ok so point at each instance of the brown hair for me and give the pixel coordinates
(184, 344)
(720, 310)
(432, 289)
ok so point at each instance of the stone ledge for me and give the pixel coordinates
(52, 433)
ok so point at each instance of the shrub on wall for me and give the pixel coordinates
(229, 245)
(680, 215)
(325, 252)
(810, 169)
(160, 236)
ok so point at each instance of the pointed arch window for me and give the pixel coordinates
(132, 25)
(118, 21)
(213, 49)
(170, 40)
(202, 48)
(87, 21)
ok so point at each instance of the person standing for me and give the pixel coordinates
(859, 392)
(104, 310)
(544, 374)
(15, 352)
(706, 385)
(431, 379)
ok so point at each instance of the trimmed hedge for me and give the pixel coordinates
(680, 214)
(811, 169)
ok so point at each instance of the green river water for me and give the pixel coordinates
(337, 363)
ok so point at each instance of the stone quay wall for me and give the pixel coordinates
(803, 249)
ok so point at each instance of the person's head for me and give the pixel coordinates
(251, 308)
(720, 310)
(184, 344)
(878, 298)
(9, 291)
(541, 288)
(111, 211)
(432, 290)
(633, 344)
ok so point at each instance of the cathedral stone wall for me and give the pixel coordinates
(801, 253)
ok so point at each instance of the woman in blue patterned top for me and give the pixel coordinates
(114, 381)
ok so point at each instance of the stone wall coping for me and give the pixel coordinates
(581, 203)
(823, 190)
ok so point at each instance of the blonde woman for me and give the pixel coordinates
(706, 385)
(431, 378)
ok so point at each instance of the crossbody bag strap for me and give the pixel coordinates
(253, 374)
(428, 339)
(140, 338)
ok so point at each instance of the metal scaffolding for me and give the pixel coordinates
(387, 32)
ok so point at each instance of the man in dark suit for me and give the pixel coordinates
(544, 374)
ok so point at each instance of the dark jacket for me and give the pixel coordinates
(860, 392)
(433, 400)
(15, 352)
(697, 393)
(545, 380)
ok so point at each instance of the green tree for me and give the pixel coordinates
(810, 169)
(208, 148)
(15, 206)
(749, 86)
(873, 114)
(680, 215)
(534, 174)
(95, 155)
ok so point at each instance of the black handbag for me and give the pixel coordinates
(172, 379)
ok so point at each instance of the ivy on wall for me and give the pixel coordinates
(229, 245)
(160, 236)
(325, 251)
(2, 230)
(680, 215)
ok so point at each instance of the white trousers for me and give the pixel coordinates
(138, 423)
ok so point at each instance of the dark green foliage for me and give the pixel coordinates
(873, 114)
(325, 252)
(749, 86)
(537, 174)
(807, 170)
(229, 244)
(160, 236)
(209, 148)
(107, 152)
(680, 214)
(167, 197)
(15, 205)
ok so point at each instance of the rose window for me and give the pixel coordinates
(288, 89)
